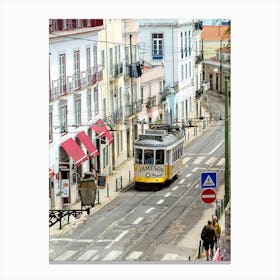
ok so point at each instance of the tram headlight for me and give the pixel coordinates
(148, 175)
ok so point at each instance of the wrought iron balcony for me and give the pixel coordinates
(198, 59)
(198, 93)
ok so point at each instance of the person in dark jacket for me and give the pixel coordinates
(208, 242)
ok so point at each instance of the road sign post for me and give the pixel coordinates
(208, 180)
(208, 196)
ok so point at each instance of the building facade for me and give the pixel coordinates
(172, 43)
(77, 136)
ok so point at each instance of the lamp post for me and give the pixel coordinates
(227, 145)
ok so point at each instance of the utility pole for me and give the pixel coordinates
(227, 146)
(131, 79)
(221, 71)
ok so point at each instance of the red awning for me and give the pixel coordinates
(102, 130)
(51, 172)
(74, 151)
(88, 144)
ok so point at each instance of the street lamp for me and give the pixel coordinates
(227, 145)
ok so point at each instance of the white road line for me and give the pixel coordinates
(196, 186)
(189, 175)
(168, 194)
(221, 161)
(72, 240)
(51, 251)
(160, 201)
(87, 255)
(66, 255)
(211, 160)
(95, 258)
(169, 257)
(134, 255)
(215, 148)
(118, 238)
(138, 220)
(198, 160)
(112, 255)
(182, 181)
(149, 210)
(186, 159)
(175, 188)
(104, 240)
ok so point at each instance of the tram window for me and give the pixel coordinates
(159, 156)
(139, 156)
(149, 156)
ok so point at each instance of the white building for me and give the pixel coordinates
(75, 73)
(175, 43)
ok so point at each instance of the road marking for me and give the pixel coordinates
(66, 255)
(169, 257)
(95, 258)
(118, 238)
(112, 255)
(211, 160)
(51, 251)
(175, 188)
(182, 181)
(221, 161)
(104, 240)
(134, 255)
(189, 175)
(138, 220)
(160, 201)
(198, 160)
(186, 159)
(196, 186)
(215, 148)
(196, 168)
(168, 194)
(149, 210)
(72, 240)
(87, 255)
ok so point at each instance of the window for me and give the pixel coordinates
(190, 70)
(77, 111)
(94, 55)
(186, 44)
(50, 126)
(88, 64)
(157, 41)
(63, 119)
(89, 108)
(116, 54)
(76, 69)
(139, 156)
(119, 53)
(96, 100)
(111, 61)
(62, 75)
(182, 72)
(103, 58)
(182, 46)
(105, 156)
(186, 70)
(159, 156)
(149, 156)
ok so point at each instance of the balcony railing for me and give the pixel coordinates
(151, 102)
(78, 81)
(117, 70)
(198, 59)
(133, 108)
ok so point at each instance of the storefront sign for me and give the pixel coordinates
(65, 188)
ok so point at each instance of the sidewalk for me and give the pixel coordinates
(119, 180)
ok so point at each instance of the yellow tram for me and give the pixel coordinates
(157, 156)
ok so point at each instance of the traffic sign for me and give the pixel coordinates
(208, 180)
(208, 196)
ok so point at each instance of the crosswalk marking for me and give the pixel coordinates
(210, 160)
(186, 159)
(160, 201)
(168, 194)
(95, 258)
(87, 255)
(66, 255)
(118, 238)
(182, 181)
(112, 255)
(169, 257)
(175, 188)
(149, 210)
(134, 255)
(188, 175)
(72, 240)
(221, 161)
(138, 220)
(198, 160)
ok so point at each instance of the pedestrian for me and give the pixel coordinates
(208, 236)
(217, 229)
